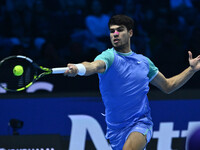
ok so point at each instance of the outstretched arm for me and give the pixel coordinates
(97, 66)
(168, 85)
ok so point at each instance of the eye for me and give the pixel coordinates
(112, 31)
(120, 29)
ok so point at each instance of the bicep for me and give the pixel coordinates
(160, 81)
(100, 66)
(97, 66)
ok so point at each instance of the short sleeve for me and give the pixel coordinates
(153, 70)
(107, 56)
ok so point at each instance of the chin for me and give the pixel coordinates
(117, 45)
(117, 48)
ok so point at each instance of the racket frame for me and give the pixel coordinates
(46, 70)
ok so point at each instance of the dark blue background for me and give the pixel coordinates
(50, 115)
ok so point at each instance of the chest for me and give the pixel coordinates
(130, 67)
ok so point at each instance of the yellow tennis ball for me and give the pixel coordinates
(18, 70)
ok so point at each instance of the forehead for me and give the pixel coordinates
(117, 26)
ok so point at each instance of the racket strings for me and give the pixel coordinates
(10, 81)
(25, 78)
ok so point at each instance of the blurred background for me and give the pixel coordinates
(56, 32)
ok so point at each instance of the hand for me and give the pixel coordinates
(72, 71)
(194, 62)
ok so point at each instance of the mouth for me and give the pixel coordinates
(116, 40)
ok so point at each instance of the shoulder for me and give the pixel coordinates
(153, 70)
(107, 56)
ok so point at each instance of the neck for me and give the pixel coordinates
(123, 49)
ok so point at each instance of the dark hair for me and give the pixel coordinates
(128, 22)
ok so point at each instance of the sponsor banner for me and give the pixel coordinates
(80, 119)
(31, 142)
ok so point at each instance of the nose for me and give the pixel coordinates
(116, 33)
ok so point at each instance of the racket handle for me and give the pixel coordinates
(59, 70)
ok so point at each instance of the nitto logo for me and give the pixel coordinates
(166, 133)
(81, 124)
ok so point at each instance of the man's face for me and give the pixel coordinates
(120, 36)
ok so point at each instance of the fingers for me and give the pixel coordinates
(190, 55)
(72, 71)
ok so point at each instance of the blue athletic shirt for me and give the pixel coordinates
(124, 86)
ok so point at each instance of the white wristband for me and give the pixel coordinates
(81, 69)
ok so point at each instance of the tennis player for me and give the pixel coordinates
(124, 78)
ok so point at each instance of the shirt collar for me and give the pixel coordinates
(124, 54)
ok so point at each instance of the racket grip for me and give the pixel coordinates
(59, 70)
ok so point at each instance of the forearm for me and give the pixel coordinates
(93, 67)
(85, 68)
(179, 80)
(168, 85)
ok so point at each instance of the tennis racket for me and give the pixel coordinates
(27, 72)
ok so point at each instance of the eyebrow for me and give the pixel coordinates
(120, 27)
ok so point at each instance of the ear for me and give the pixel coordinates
(131, 32)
